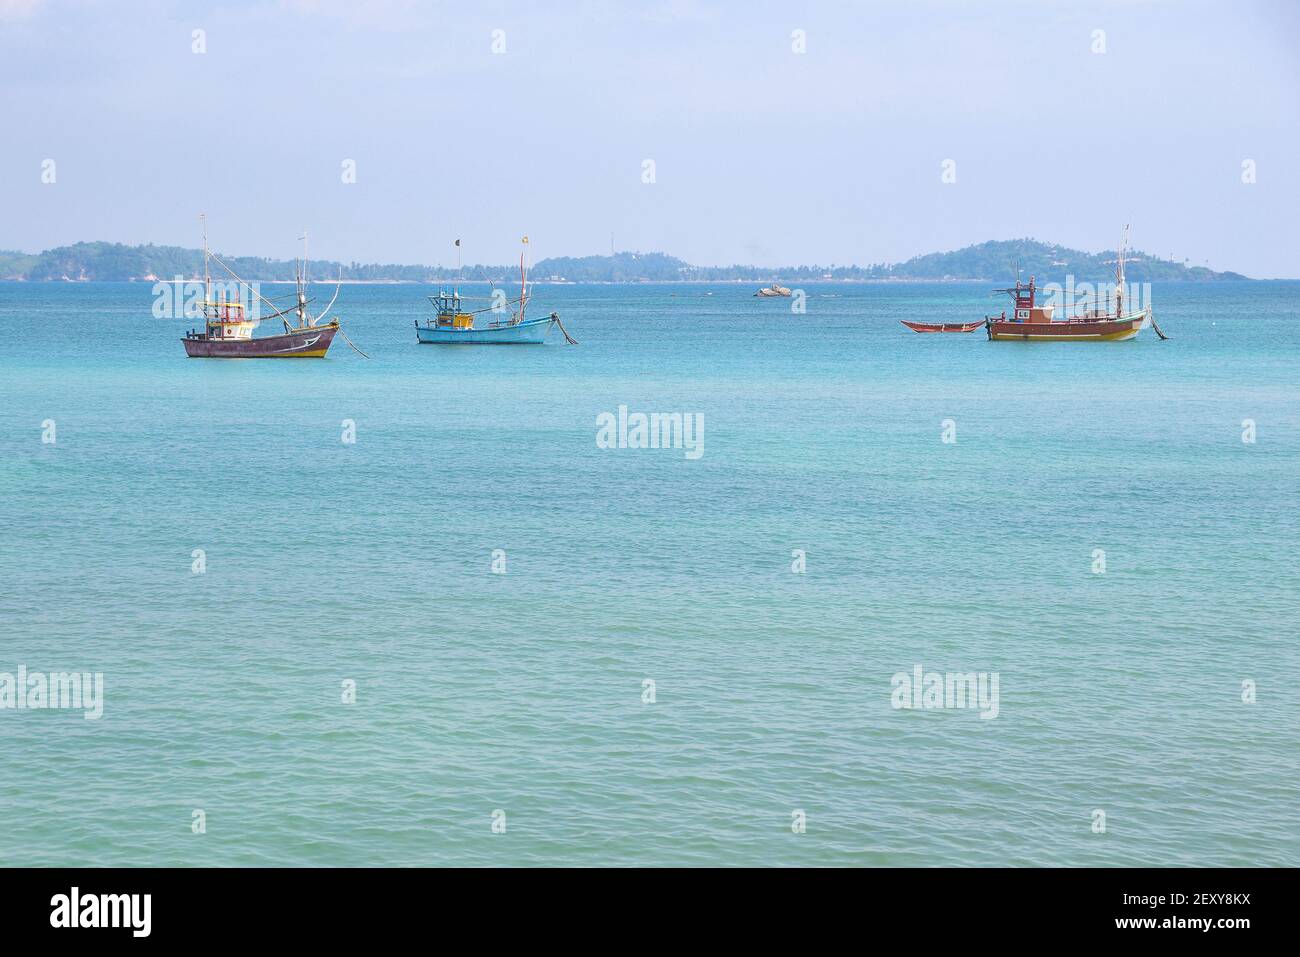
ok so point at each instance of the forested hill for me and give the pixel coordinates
(995, 261)
(114, 261)
(999, 260)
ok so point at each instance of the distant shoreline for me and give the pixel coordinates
(897, 281)
(994, 261)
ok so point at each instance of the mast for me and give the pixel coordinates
(302, 282)
(1119, 273)
(207, 285)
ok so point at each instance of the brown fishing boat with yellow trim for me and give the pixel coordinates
(228, 328)
(1031, 322)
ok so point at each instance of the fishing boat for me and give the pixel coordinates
(773, 291)
(942, 326)
(1031, 322)
(455, 323)
(1096, 322)
(228, 329)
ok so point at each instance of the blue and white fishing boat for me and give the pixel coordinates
(454, 323)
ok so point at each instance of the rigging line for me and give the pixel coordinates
(351, 343)
(239, 280)
(479, 312)
(555, 318)
(476, 312)
(1151, 317)
(282, 312)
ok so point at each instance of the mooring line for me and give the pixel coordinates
(351, 343)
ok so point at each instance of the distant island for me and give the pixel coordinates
(994, 261)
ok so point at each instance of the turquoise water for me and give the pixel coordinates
(522, 692)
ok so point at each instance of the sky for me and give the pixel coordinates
(730, 132)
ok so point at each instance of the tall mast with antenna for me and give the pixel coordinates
(1119, 273)
(302, 282)
(207, 293)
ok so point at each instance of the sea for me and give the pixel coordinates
(904, 600)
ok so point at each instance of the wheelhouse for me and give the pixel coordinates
(1026, 309)
(450, 310)
(226, 319)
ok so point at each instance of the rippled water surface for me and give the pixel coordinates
(523, 692)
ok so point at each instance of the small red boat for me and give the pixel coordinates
(942, 326)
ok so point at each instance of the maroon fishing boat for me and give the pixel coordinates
(941, 326)
(228, 329)
(232, 339)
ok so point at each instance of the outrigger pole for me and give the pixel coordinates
(523, 283)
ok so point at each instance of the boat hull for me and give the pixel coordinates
(942, 326)
(1108, 330)
(311, 343)
(528, 332)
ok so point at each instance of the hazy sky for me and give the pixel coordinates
(761, 154)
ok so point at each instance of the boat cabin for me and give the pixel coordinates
(1026, 309)
(228, 319)
(451, 313)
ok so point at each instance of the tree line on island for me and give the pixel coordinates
(994, 261)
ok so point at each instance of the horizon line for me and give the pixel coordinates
(1186, 263)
